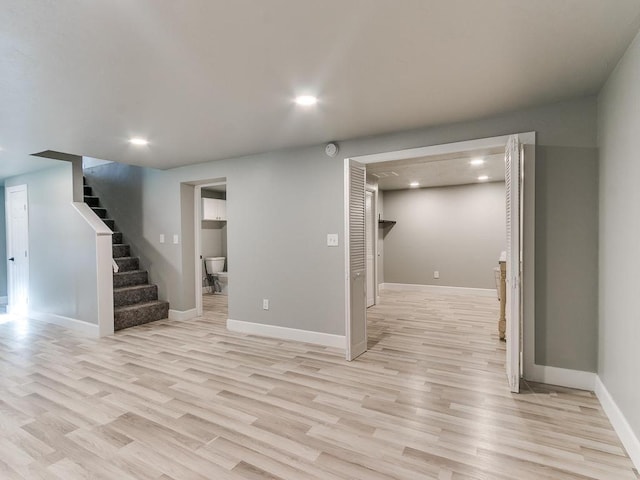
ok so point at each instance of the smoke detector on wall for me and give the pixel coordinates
(331, 149)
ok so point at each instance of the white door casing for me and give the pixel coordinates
(17, 214)
(356, 312)
(370, 242)
(513, 186)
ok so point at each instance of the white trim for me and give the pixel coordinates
(626, 434)
(183, 314)
(94, 221)
(4, 300)
(286, 333)
(490, 142)
(89, 329)
(347, 261)
(563, 377)
(484, 292)
(197, 245)
(104, 267)
(528, 261)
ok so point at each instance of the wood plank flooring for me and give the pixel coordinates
(190, 400)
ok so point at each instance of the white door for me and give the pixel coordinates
(17, 214)
(513, 184)
(356, 260)
(370, 241)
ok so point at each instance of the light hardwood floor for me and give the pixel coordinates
(190, 400)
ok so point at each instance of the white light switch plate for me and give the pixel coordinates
(162, 238)
(332, 239)
(175, 239)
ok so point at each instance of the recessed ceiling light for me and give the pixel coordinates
(414, 184)
(138, 141)
(306, 100)
(483, 178)
(477, 161)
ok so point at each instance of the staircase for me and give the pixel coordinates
(135, 301)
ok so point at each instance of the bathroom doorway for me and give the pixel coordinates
(212, 265)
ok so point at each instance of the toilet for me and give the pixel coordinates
(214, 264)
(215, 267)
(223, 280)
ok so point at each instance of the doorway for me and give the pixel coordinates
(514, 362)
(371, 243)
(212, 271)
(17, 214)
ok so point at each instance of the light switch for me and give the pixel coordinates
(175, 239)
(332, 239)
(162, 238)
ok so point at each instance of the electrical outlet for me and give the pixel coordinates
(265, 304)
(436, 274)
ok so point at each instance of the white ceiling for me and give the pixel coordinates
(439, 170)
(211, 79)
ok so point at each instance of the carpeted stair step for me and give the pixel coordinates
(132, 277)
(87, 190)
(92, 201)
(120, 250)
(126, 264)
(132, 315)
(99, 211)
(116, 238)
(134, 294)
(109, 223)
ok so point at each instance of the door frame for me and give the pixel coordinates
(528, 139)
(11, 307)
(374, 231)
(197, 221)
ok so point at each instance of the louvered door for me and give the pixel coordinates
(357, 324)
(514, 266)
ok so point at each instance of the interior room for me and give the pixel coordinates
(112, 368)
(449, 216)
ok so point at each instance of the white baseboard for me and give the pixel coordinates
(183, 314)
(484, 292)
(86, 328)
(4, 300)
(562, 377)
(285, 333)
(626, 434)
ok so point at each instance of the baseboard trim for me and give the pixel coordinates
(626, 434)
(562, 377)
(285, 333)
(182, 314)
(484, 292)
(85, 328)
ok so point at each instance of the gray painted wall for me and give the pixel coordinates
(619, 326)
(3, 246)
(284, 203)
(567, 238)
(62, 247)
(458, 231)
